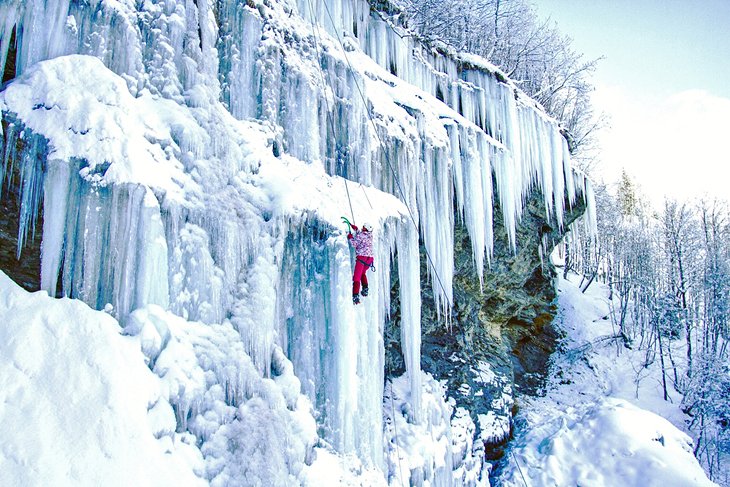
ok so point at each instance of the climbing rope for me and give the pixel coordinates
(375, 129)
(518, 467)
(366, 196)
(338, 163)
(352, 213)
(387, 157)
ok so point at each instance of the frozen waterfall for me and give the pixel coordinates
(191, 156)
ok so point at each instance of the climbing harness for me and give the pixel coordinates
(371, 265)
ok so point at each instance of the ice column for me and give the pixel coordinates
(240, 35)
(336, 348)
(558, 185)
(410, 299)
(114, 241)
(152, 272)
(435, 198)
(55, 202)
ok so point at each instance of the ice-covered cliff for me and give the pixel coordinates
(186, 162)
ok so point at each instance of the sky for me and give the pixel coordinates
(664, 82)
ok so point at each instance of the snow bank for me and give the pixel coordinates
(87, 112)
(606, 444)
(79, 401)
(331, 469)
(593, 363)
(83, 409)
(602, 419)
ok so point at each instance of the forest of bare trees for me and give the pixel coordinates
(668, 273)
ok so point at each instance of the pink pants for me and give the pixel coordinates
(362, 264)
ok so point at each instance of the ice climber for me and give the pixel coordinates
(363, 243)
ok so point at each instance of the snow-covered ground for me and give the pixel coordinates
(88, 402)
(602, 420)
(85, 402)
(75, 400)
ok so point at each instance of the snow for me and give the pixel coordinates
(106, 125)
(440, 448)
(333, 470)
(607, 443)
(602, 420)
(109, 410)
(78, 395)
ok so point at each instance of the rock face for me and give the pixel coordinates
(497, 338)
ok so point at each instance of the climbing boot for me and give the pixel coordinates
(355, 299)
(364, 291)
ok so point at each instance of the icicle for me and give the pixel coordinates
(94, 281)
(568, 173)
(475, 217)
(558, 173)
(239, 69)
(50, 19)
(504, 175)
(546, 165)
(457, 168)
(123, 233)
(590, 199)
(410, 298)
(55, 203)
(152, 273)
(31, 186)
(435, 199)
(485, 156)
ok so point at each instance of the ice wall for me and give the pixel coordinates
(191, 155)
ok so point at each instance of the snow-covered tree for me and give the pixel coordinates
(531, 52)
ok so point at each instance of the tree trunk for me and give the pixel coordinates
(674, 367)
(661, 361)
(593, 276)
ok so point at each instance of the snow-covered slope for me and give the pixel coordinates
(88, 403)
(77, 397)
(602, 420)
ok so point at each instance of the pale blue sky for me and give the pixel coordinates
(664, 82)
(664, 46)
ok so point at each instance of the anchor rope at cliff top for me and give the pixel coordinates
(385, 152)
(338, 162)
